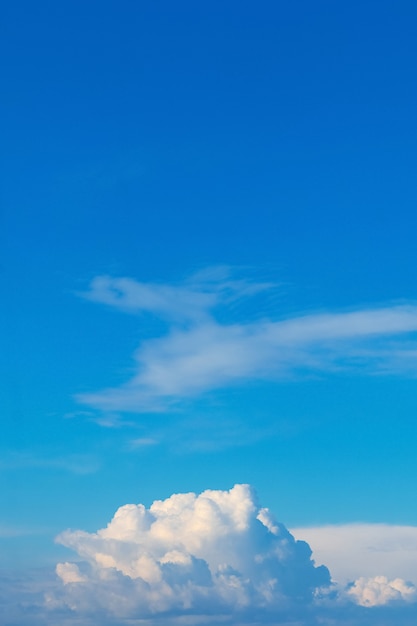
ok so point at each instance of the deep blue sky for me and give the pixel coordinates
(151, 140)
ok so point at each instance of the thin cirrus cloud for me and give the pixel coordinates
(9, 532)
(198, 353)
(209, 557)
(73, 463)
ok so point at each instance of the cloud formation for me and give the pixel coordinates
(217, 553)
(201, 352)
(379, 591)
(354, 551)
(213, 558)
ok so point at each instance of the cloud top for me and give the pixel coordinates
(215, 553)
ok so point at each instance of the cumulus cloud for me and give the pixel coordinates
(213, 558)
(216, 553)
(70, 573)
(200, 352)
(379, 591)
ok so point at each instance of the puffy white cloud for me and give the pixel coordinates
(200, 353)
(213, 558)
(217, 553)
(70, 573)
(379, 591)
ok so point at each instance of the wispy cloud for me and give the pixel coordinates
(142, 442)
(73, 463)
(9, 531)
(199, 352)
(189, 301)
(213, 433)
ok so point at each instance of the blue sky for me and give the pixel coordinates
(208, 255)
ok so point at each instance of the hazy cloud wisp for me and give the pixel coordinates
(198, 353)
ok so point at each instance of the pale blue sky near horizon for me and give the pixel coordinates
(152, 141)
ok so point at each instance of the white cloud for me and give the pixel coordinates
(379, 591)
(217, 553)
(178, 303)
(364, 550)
(213, 558)
(189, 301)
(70, 573)
(199, 353)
